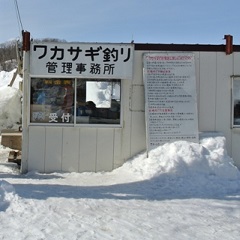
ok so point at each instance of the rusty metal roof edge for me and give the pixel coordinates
(183, 47)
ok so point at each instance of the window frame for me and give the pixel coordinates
(74, 122)
(234, 99)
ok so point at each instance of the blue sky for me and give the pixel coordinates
(149, 21)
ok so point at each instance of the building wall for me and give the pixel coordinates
(83, 149)
(213, 76)
(214, 71)
(214, 91)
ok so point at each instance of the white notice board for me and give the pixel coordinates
(170, 98)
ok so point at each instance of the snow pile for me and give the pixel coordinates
(7, 194)
(6, 77)
(10, 107)
(10, 100)
(187, 169)
(185, 159)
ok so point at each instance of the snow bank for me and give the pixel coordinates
(7, 193)
(186, 159)
(6, 77)
(10, 100)
(181, 190)
(10, 107)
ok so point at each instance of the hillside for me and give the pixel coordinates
(8, 56)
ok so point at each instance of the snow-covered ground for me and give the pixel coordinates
(179, 191)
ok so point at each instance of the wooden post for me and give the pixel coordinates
(26, 41)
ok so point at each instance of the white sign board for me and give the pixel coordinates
(170, 95)
(78, 60)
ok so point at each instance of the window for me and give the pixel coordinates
(97, 101)
(52, 100)
(236, 102)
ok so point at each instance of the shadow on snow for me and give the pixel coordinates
(163, 187)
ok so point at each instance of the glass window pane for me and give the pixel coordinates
(52, 100)
(98, 101)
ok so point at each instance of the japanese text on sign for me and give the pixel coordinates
(53, 117)
(170, 93)
(88, 60)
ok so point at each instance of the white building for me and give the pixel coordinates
(84, 103)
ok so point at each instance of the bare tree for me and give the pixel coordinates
(8, 53)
